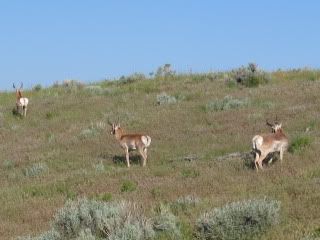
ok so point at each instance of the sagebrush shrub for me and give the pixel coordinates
(132, 78)
(96, 90)
(103, 219)
(239, 220)
(86, 234)
(249, 76)
(165, 71)
(37, 87)
(99, 167)
(166, 222)
(315, 235)
(50, 235)
(185, 203)
(69, 85)
(133, 230)
(87, 133)
(35, 169)
(228, 102)
(93, 130)
(164, 98)
(8, 164)
(310, 237)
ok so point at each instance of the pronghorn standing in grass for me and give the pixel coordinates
(129, 142)
(21, 102)
(264, 144)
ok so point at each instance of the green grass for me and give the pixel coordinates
(128, 186)
(66, 128)
(299, 143)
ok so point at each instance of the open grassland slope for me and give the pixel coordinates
(63, 149)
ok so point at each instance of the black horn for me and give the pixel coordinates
(268, 123)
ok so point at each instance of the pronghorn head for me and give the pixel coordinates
(115, 127)
(18, 90)
(276, 126)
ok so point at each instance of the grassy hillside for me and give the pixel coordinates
(63, 148)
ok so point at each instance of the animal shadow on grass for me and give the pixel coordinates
(121, 159)
(16, 112)
(249, 158)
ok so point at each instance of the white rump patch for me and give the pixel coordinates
(146, 140)
(23, 101)
(257, 141)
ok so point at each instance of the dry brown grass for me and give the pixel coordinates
(51, 134)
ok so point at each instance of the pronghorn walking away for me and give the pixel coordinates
(129, 142)
(264, 144)
(21, 102)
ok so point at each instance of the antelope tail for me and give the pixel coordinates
(146, 140)
(255, 149)
(256, 143)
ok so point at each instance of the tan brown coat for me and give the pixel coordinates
(129, 142)
(269, 143)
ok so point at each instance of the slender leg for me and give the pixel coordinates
(127, 157)
(281, 155)
(263, 156)
(145, 152)
(256, 161)
(142, 153)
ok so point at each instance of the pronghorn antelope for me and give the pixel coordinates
(129, 142)
(21, 102)
(264, 144)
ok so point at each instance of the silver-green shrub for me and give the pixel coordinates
(132, 78)
(249, 76)
(239, 220)
(8, 164)
(103, 219)
(184, 203)
(228, 102)
(37, 87)
(99, 167)
(166, 222)
(311, 237)
(164, 98)
(88, 132)
(50, 235)
(94, 90)
(133, 230)
(36, 169)
(93, 130)
(86, 234)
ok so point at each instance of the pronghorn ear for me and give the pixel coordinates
(13, 86)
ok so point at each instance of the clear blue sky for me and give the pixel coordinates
(46, 41)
